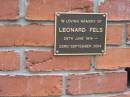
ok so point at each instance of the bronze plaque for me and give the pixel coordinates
(80, 33)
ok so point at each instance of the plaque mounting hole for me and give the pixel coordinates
(57, 51)
(128, 77)
(57, 14)
(104, 15)
(103, 51)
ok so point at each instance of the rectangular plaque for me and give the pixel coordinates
(80, 33)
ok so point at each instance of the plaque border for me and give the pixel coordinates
(55, 52)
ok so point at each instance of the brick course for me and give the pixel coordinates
(30, 85)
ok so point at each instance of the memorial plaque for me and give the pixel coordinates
(80, 33)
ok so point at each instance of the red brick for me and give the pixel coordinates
(128, 37)
(116, 9)
(43, 35)
(114, 58)
(97, 83)
(28, 35)
(45, 9)
(46, 61)
(9, 9)
(9, 60)
(30, 85)
(114, 34)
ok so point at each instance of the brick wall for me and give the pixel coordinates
(29, 68)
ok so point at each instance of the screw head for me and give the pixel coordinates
(102, 51)
(57, 51)
(57, 14)
(62, 21)
(104, 15)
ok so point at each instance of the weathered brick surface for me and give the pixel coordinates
(116, 9)
(35, 27)
(9, 60)
(45, 9)
(9, 9)
(46, 61)
(114, 58)
(30, 85)
(43, 35)
(97, 83)
(28, 35)
(114, 34)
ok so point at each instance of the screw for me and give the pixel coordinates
(102, 51)
(62, 21)
(104, 15)
(57, 51)
(57, 14)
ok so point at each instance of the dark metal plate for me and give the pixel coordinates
(80, 33)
